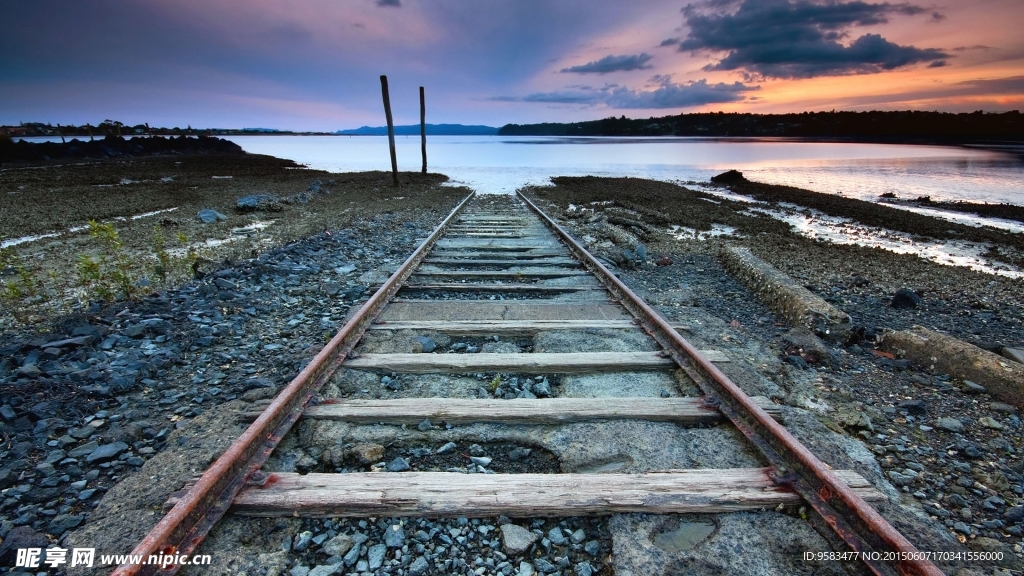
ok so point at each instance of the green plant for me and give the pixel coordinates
(109, 274)
(25, 291)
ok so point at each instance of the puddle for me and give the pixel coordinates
(685, 537)
(236, 234)
(463, 456)
(22, 240)
(221, 177)
(813, 224)
(684, 233)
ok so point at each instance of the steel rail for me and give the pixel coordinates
(853, 520)
(182, 529)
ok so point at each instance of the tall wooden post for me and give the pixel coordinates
(391, 127)
(61, 132)
(423, 129)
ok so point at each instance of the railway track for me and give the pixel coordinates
(502, 371)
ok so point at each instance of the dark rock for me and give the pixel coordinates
(949, 424)
(399, 464)
(729, 177)
(106, 453)
(63, 523)
(256, 202)
(905, 298)
(913, 407)
(424, 344)
(394, 536)
(663, 261)
(419, 567)
(1015, 514)
(20, 537)
(208, 216)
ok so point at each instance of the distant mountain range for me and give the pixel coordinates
(432, 130)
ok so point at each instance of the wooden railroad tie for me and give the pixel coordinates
(447, 494)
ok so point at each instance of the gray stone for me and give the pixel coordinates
(973, 388)
(543, 565)
(526, 569)
(990, 422)
(480, 460)
(7, 413)
(447, 448)
(592, 547)
(299, 571)
(542, 389)
(302, 541)
(63, 523)
(556, 536)
(399, 464)
(394, 536)
(376, 556)
(84, 449)
(424, 344)
(208, 216)
(255, 202)
(325, 570)
(584, 569)
(419, 567)
(425, 425)
(515, 539)
(1015, 514)
(949, 424)
(578, 536)
(106, 453)
(353, 555)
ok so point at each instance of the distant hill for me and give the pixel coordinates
(874, 126)
(432, 130)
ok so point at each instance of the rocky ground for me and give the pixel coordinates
(88, 398)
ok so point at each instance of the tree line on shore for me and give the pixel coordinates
(937, 126)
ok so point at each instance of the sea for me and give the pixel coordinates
(867, 171)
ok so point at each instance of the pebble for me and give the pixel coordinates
(989, 422)
(399, 464)
(973, 388)
(394, 536)
(949, 424)
(515, 539)
(419, 567)
(338, 546)
(376, 555)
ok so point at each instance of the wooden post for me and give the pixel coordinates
(423, 129)
(391, 127)
(61, 132)
(89, 127)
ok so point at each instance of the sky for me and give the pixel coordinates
(315, 64)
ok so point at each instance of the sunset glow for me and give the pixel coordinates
(314, 65)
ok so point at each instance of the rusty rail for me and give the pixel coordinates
(858, 524)
(182, 529)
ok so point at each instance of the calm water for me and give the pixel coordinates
(496, 164)
(502, 164)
